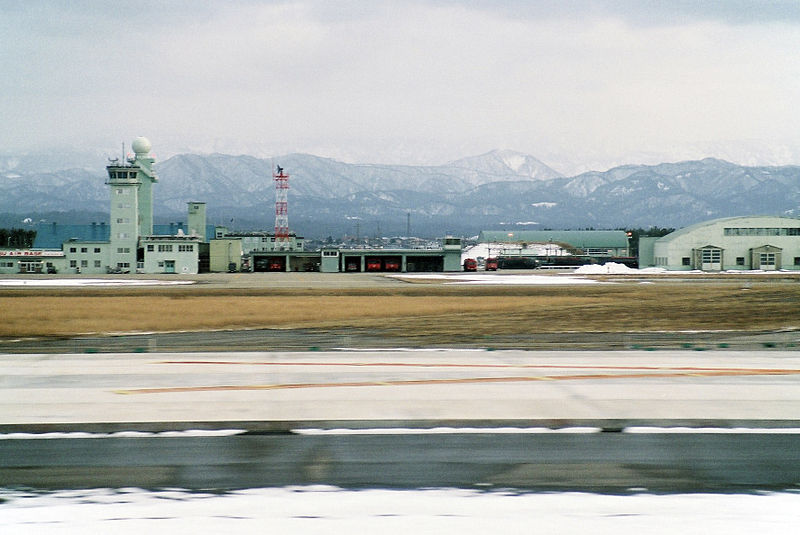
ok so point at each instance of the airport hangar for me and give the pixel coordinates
(767, 243)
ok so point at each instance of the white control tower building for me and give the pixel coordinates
(131, 182)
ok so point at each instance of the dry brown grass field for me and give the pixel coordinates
(416, 309)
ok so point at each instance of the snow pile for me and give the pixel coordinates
(609, 268)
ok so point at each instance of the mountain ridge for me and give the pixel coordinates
(500, 188)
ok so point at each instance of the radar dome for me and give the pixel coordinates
(141, 145)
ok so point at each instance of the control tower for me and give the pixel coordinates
(131, 182)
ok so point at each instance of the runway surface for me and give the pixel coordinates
(602, 420)
(278, 390)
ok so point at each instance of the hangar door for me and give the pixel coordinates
(708, 258)
(767, 257)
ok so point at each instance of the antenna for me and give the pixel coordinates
(281, 206)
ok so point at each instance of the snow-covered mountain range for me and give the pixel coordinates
(500, 189)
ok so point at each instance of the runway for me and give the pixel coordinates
(152, 391)
(601, 420)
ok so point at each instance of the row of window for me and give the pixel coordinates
(765, 259)
(168, 248)
(162, 248)
(84, 263)
(122, 174)
(763, 231)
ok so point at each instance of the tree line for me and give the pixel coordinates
(636, 233)
(17, 237)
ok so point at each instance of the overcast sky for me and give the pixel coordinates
(577, 84)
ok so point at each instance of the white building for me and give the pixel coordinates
(733, 243)
(170, 254)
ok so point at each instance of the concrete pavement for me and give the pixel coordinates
(419, 388)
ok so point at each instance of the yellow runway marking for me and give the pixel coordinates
(464, 380)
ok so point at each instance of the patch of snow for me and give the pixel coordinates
(449, 431)
(514, 161)
(544, 204)
(90, 282)
(329, 509)
(495, 278)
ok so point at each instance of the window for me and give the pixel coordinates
(186, 248)
(123, 265)
(122, 235)
(73, 250)
(97, 263)
(330, 253)
(6, 264)
(73, 263)
(84, 250)
(160, 263)
(763, 231)
(797, 260)
(150, 247)
(686, 261)
(96, 249)
(712, 256)
(767, 259)
(165, 248)
(122, 174)
(739, 260)
(84, 263)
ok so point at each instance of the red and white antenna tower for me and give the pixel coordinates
(281, 205)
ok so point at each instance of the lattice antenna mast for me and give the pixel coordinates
(281, 206)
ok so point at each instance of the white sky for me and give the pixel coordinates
(576, 84)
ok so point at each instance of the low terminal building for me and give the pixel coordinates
(585, 242)
(31, 261)
(767, 243)
(531, 249)
(335, 259)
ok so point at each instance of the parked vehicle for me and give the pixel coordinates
(491, 264)
(470, 264)
(391, 265)
(373, 264)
